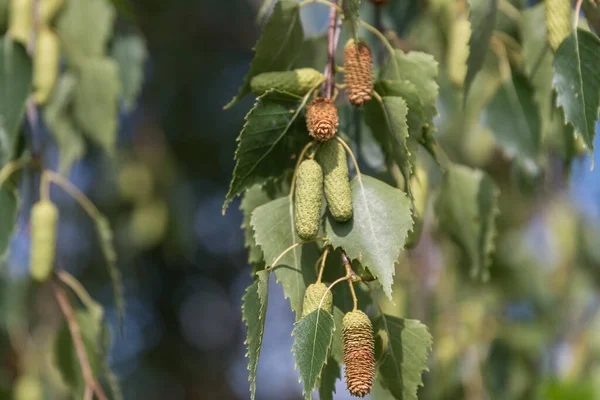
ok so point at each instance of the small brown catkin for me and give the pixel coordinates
(359, 353)
(358, 72)
(322, 119)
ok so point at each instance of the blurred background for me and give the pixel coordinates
(527, 333)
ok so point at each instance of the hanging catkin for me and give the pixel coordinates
(558, 21)
(322, 119)
(332, 158)
(308, 199)
(312, 298)
(44, 216)
(358, 67)
(359, 356)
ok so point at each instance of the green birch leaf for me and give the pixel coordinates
(337, 351)
(312, 338)
(351, 14)
(482, 16)
(278, 45)
(71, 145)
(95, 103)
(416, 118)
(387, 120)
(518, 135)
(313, 53)
(271, 137)
(84, 28)
(105, 235)
(466, 208)
(130, 53)
(376, 234)
(330, 374)
(254, 312)
(8, 216)
(577, 82)
(275, 231)
(421, 70)
(15, 87)
(253, 198)
(405, 358)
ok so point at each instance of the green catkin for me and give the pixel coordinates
(44, 217)
(333, 160)
(312, 298)
(298, 81)
(308, 199)
(558, 21)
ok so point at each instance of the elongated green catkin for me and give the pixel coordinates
(44, 216)
(359, 352)
(333, 160)
(308, 199)
(312, 298)
(558, 21)
(298, 81)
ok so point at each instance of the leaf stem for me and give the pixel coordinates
(383, 39)
(292, 247)
(78, 288)
(75, 329)
(300, 158)
(353, 293)
(349, 150)
(343, 278)
(577, 12)
(322, 268)
(85, 203)
(12, 167)
(333, 37)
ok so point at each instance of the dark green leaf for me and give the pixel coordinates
(577, 82)
(313, 53)
(518, 135)
(130, 53)
(71, 146)
(278, 45)
(106, 243)
(253, 198)
(275, 231)
(8, 216)
(84, 28)
(416, 117)
(271, 137)
(254, 312)
(483, 19)
(377, 232)
(124, 7)
(95, 103)
(405, 359)
(466, 207)
(312, 339)
(351, 14)
(387, 120)
(330, 374)
(15, 85)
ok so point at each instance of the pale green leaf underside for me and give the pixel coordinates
(379, 227)
(577, 82)
(466, 208)
(278, 45)
(254, 312)
(273, 133)
(405, 359)
(15, 87)
(274, 228)
(130, 53)
(312, 338)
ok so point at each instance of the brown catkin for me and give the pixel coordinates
(312, 298)
(322, 119)
(359, 354)
(358, 75)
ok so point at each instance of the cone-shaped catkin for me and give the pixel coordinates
(359, 355)
(312, 298)
(308, 199)
(298, 81)
(44, 216)
(322, 119)
(558, 21)
(358, 75)
(333, 160)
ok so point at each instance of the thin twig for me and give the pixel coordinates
(349, 150)
(334, 22)
(82, 199)
(353, 293)
(577, 12)
(322, 268)
(292, 247)
(84, 362)
(384, 40)
(343, 278)
(12, 167)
